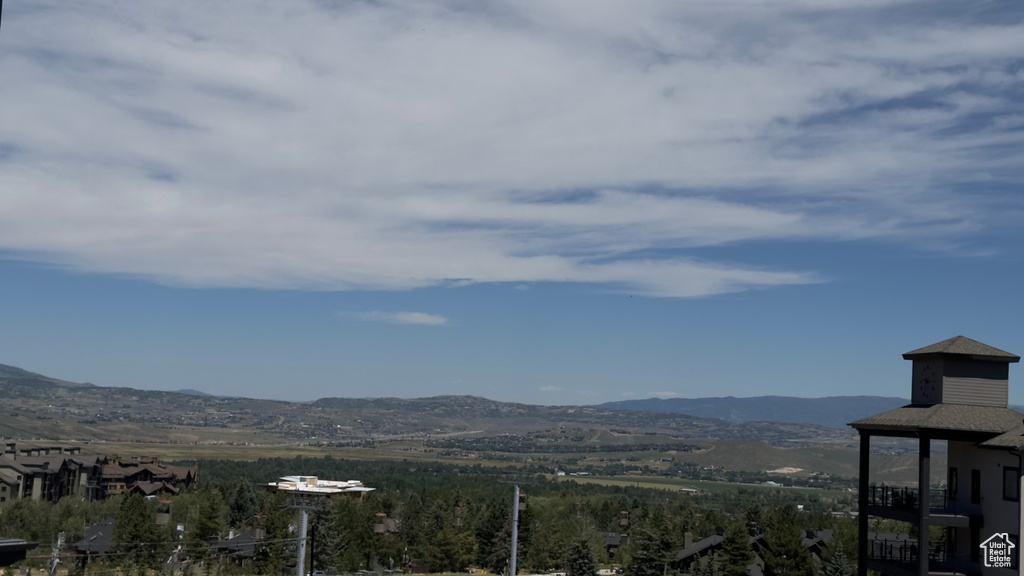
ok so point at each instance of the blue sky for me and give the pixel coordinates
(541, 202)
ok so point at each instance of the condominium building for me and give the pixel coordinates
(960, 395)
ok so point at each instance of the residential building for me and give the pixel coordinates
(146, 475)
(959, 395)
(54, 472)
(686, 559)
(240, 548)
(97, 542)
(613, 542)
(47, 473)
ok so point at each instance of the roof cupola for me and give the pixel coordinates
(961, 371)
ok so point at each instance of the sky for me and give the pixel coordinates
(542, 202)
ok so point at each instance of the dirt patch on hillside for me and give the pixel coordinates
(786, 470)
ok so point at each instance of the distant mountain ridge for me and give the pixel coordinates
(41, 407)
(15, 374)
(832, 411)
(191, 392)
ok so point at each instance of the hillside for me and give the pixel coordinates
(834, 411)
(450, 428)
(12, 374)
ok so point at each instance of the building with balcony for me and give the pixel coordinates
(46, 473)
(960, 394)
(54, 472)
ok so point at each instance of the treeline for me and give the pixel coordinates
(437, 516)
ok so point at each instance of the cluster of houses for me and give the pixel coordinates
(307, 492)
(236, 548)
(693, 551)
(51, 473)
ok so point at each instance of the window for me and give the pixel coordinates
(975, 486)
(951, 484)
(1011, 484)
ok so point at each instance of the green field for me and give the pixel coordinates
(707, 487)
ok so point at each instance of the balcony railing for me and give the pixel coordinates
(903, 554)
(898, 552)
(907, 498)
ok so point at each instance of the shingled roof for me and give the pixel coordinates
(98, 538)
(963, 346)
(944, 417)
(1013, 439)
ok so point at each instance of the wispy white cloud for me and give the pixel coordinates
(549, 389)
(396, 145)
(664, 394)
(421, 318)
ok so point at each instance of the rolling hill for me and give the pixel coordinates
(833, 411)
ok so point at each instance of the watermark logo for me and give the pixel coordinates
(998, 551)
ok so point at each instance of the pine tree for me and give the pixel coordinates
(707, 566)
(838, 564)
(138, 542)
(787, 555)
(275, 519)
(644, 556)
(493, 533)
(451, 551)
(243, 504)
(205, 518)
(580, 559)
(736, 552)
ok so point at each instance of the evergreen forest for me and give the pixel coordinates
(431, 517)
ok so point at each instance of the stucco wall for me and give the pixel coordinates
(1000, 515)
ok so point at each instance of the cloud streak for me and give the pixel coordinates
(393, 146)
(417, 318)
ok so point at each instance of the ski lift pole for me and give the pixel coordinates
(515, 530)
(55, 557)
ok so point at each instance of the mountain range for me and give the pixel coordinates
(735, 433)
(832, 412)
(46, 407)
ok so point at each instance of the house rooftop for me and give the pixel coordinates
(944, 417)
(700, 546)
(963, 346)
(1013, 439)
(6, 462)
(98, 538)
